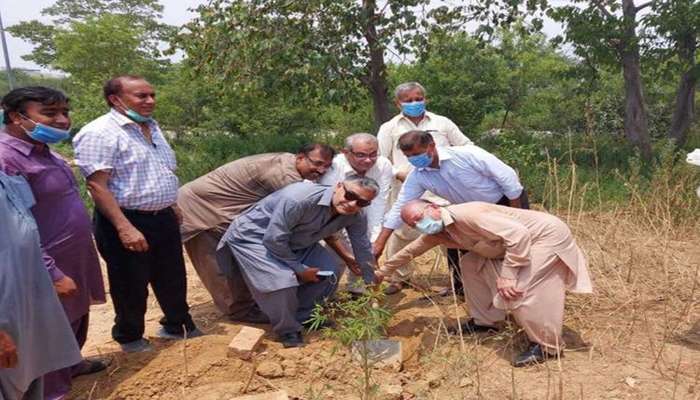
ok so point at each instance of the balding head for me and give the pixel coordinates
(414, 210)
(361, 151)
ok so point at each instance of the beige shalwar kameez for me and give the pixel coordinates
(534, 248)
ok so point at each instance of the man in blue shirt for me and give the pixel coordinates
(458, 174)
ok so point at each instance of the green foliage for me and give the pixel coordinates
(358, 319)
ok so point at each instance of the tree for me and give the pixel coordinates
(142, 14)
(320, 49)
(677, 22)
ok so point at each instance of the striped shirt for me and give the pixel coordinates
(142, 174)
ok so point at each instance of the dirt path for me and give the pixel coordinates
(637, 338)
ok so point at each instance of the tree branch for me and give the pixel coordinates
(602, 8)
(643, 5)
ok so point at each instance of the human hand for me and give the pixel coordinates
(353, 266)
(378, 277)
(8, 351)
(506, 288)
(132, 239)
(65, 287)
(309, 275)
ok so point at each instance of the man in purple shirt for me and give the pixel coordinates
(35, 117)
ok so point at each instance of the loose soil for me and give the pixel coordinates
(637, 337)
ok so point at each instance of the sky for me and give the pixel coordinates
(175, 12)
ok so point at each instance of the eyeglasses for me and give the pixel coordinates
(317, 163)
(352, 196)
(362, 156)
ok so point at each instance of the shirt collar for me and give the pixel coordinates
(346, 169)
(443, 154)
(123, 120)
(20, 145)
(446, 216)
(428, 116)
(327, 196)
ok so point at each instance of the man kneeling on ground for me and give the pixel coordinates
(276, 244)
(519, 261)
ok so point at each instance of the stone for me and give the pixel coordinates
(269, 369)
(278, 395)
(383, 353)
(243, 344)
(390, 392)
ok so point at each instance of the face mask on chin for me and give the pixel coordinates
(45, 134)
(133, 115)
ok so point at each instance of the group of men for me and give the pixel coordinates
(269, 235)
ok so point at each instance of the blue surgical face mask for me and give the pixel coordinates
(46, 134)
(429, 226)
(133, 115)
(421, 160)
(413, 109)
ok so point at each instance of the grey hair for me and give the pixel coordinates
(362, 136)
(364, 182)
(406, 86)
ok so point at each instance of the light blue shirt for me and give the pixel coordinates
(466, 173)
(142, 174)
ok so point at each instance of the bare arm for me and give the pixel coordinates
(105, 202)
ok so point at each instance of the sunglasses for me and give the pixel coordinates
(352, 196)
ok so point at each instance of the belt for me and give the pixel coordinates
(147, 212)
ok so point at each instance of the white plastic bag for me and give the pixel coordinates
(694, 158)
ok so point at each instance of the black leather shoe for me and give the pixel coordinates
(253, 317)
(471, 328)
(534, 355)
(292, 339)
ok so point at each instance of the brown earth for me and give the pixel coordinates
(637, 337)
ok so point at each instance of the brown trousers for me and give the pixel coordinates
(231, 295)
(540, 311)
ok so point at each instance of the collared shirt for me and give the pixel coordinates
(381, 171)
(142, 175)
(444, 132)
(212, 201)
(466, 173)
(64, 225)
(519, 237)
(291, 220)
(29, 309)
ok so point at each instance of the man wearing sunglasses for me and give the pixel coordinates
(211, 202)
(276, 244)
(360, 157)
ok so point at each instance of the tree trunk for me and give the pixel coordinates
(636, 125)
(376, 69)
(684, 108)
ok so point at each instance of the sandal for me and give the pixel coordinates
(91, 366)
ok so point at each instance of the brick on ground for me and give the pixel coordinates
(243, 344)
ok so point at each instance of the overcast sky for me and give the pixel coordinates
(176, 12)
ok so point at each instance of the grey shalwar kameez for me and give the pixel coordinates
(29, 308)
(279, 238)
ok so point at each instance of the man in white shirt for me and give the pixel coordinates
(360, 157)
(457, 174)
(410, 98)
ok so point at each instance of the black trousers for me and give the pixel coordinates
(130, 272)
(453, 254)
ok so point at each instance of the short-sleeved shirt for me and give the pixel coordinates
(444, 132)
(142, 174)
